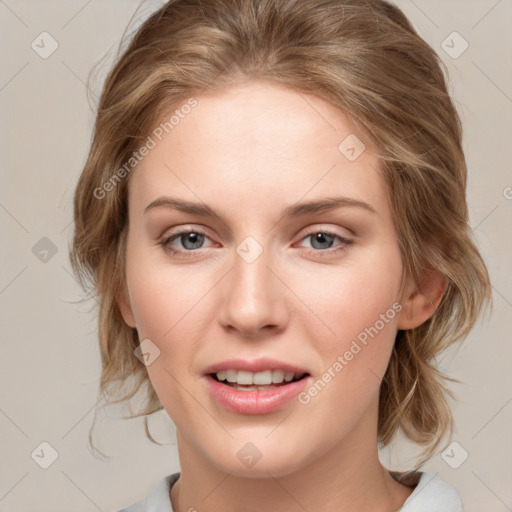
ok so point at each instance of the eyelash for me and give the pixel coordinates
(165, 243)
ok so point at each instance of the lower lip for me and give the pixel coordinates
(257, 401)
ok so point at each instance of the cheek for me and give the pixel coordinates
(162, 296)
(169, 306)
(359, 305)
(354, 295)
(164, 305)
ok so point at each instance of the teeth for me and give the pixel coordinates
(277, 376)
(230, 375)
(288, 377)
(244, 378)
(222, 375)
(264, 378)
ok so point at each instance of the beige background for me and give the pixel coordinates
(50, 363)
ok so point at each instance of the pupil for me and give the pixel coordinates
(322, 238)
(195, 239)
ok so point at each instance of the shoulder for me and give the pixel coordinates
(430, 493)
(158, 499)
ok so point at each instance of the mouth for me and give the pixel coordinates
(258, 386)
(242, 380)
(240, 397)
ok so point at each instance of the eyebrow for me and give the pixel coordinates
(295, 210)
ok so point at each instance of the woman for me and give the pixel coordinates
(273, 217)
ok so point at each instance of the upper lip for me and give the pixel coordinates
(256, 365)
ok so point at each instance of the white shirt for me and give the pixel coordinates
(430, 494)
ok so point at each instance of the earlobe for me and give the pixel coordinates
(421, 302)
(123, 302)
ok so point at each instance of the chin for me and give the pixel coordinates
(271, 462)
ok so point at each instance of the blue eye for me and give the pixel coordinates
(321, 239)
(190, 240)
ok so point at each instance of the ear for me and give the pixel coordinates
(123, 302)
(421, 300)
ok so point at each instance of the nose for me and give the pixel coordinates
(253, 298)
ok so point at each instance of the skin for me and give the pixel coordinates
(249, 153)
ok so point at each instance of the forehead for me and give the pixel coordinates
(260, 140)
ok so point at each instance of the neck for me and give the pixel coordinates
(346, 477)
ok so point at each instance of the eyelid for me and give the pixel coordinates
(305, 232)
(327, 229)
(330, 251)
(174, 235)
(325, 232)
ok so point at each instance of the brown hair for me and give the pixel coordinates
(363, 56)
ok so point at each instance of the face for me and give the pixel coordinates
(252, 276)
